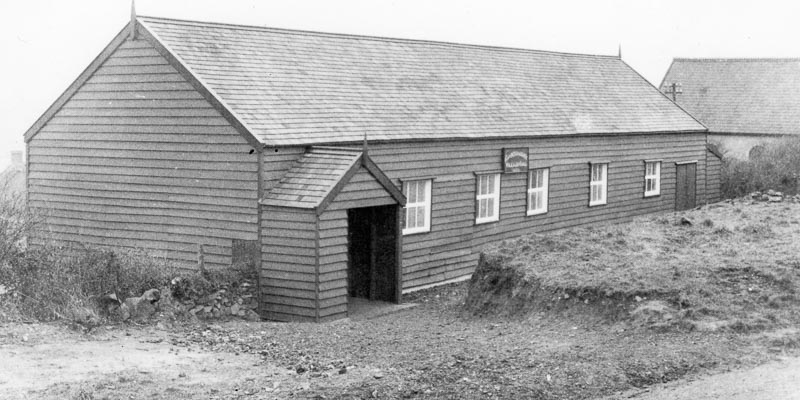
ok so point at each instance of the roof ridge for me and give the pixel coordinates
(737, 59)
(379, 38)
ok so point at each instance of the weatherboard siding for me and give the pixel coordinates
(137, 159)
(333, 261)
(450, 250)
(288, 278)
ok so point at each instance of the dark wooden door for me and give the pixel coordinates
(686, 186)
(372, 248)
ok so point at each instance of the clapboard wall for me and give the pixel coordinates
(289, 269)
(138, 159)
(450, 250)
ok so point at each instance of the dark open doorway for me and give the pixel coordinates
(372, 271)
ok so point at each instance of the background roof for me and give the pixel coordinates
(757, 96)
(294, 87)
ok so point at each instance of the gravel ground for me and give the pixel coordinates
(438, 351)
(433, 351)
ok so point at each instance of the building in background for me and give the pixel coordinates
(743, 102)
(12, 179)
(350, 166)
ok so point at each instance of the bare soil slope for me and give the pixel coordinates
(731, 266)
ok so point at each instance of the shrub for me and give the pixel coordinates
(16, 224)
(51, 282)
(776, 166)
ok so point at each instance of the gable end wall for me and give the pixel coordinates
(137, 158)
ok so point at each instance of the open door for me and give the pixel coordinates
(372, 271)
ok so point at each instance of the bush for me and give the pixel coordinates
(16, 223)
(51, 282)
(775, 167)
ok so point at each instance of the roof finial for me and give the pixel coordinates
(365, 148)
(619, 53)
(133, 21)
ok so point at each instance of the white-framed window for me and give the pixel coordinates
(652, 178)
(537, 190)
(598, 185)
(487, 199)
(418, 206)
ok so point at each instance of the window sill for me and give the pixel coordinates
(652, 194)
(598, 204)
(486, 221)
(534, 213)
(416, 231)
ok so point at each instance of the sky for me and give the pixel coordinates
(46, 44)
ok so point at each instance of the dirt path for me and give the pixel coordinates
(41, 361)
(48, 362)
(778, 380)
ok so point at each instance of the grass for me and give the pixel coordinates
(51, 283)
(735, 265)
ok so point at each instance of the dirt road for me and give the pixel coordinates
(47, 362)
(778, 380)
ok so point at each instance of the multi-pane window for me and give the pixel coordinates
(537, 191)
(598, 184)
(487, 199)
(652, 178)
(418, 206)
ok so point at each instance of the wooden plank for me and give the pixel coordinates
(104, 171)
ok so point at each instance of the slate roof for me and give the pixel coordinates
(312, 178)
(300, 88)
(755, 96)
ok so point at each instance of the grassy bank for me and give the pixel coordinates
(727, 266)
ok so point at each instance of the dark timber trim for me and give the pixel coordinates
(259, 218)
(384, 180)
(316, 268)
(338, 187)
(118, 40)
(399, 255)
(201, 87)
(376, 173)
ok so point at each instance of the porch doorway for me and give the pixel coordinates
(372, 270)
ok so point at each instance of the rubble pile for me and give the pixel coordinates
(237, 301)
(774, 197)
(182, 298)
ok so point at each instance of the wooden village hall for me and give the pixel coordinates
(242, 141)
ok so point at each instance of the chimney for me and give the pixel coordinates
(16, 159)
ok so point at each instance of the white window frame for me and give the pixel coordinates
(494, 196)
(416, 204)
(601, 184)
(655, 178)
(542, 190)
